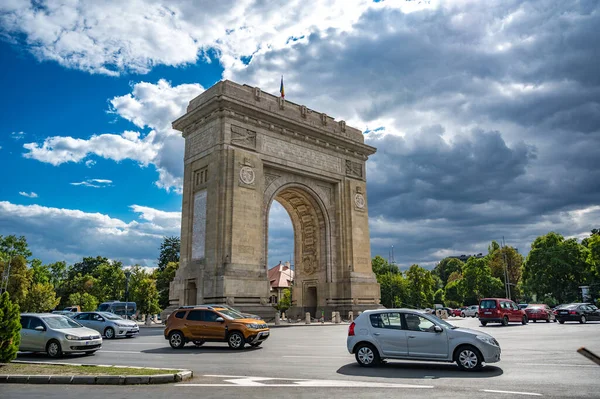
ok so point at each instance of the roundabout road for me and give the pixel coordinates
(538, 359)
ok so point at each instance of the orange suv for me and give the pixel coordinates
(200, 324)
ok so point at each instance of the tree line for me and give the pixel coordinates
(552, 273)
(38, 287)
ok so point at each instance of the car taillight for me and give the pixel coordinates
(351, 330)
(572, 312)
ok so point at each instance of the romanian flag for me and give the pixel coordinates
(281, 88)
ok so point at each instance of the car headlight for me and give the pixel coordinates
(73, 337)
(488, 340)
(254, 326)
(121, 325)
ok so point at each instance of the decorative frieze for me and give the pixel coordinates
(354, 169)
(243, 137)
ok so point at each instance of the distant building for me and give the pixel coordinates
(280, 278)
(464, 258)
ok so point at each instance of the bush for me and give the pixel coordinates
(10, 329)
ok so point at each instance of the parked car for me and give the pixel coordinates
(470, 311)
(108, 324)
(500, 310)
(577, 312)
(415, 335)
(56, 334)
(125, 309)
(537, 312)
(523, 305)
(68, 310)
(200, 324)
(455, 312)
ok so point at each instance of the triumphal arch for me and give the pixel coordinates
(245, 148)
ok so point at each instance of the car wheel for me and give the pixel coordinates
(199, 343)
(476, 315)
(256, 344)
(176, 340)
(367, 356)
(534, 320)
(548, 319)
(561, 321)
(462, 314)
(109, 333)
(468, 358)
(53, 349)
(484, 323)
(236, 340)
(582, 320)
(505, 321)
(524, 320)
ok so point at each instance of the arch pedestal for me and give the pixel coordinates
(245, 149)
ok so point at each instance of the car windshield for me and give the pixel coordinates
(110, 316)
(535, 306)
(57, 323)
(231, 314)
(444, 323)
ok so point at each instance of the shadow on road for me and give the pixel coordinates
(418, 370)
(203, 349)
(43, 357)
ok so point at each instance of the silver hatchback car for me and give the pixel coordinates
(108, 324)
(414, 335)
(56, 334)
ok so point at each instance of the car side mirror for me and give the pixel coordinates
(39, 328)
(438, 329)
(220, 319)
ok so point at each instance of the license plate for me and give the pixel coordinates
(564, 312)
(487, 312)
(265, 334)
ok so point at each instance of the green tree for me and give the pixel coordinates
(41, 298)
(493, 247)
(439, 297)
(147, 302)
(394, 289)
(285, 302)
(87, 266)
(40, 273)
(169, 252)
(10, 329)
(420, 286)
(555, 268)
(454, 276)
(13, 246)
(477, 281)
(86, 301)
(19, 279)
(58, 273)
(446, 267)
(452, 293)
(381, 266)
(163, 281)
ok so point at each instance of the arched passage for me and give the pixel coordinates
(312, 244)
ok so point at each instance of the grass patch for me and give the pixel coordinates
(51, 369)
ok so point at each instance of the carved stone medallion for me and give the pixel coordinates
(359, 201)
(247, 175)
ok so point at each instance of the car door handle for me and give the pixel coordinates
(376, 333)
(411, 336)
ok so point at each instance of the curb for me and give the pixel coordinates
(302, 324)
(96, 379)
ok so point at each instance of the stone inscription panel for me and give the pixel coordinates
(299, 154)
(199, 225)
(200, 141)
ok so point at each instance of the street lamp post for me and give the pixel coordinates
(127, 275)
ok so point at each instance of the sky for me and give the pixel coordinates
(485, 114)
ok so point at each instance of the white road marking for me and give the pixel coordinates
(245, 381)
(558, 365)
(317, 357)
(511, 392)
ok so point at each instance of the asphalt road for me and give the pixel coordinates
(538, 359)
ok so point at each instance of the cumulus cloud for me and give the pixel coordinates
(28, 195)
(95, 183)
(149, 105)
(89, 234)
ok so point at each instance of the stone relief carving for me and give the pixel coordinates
(247, 175)
(270, 178)
(359, 201)
(243, 137)
(354, 169)
(199, 225)
(309, 264)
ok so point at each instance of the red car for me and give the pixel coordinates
(500, 310)
(537, 312)
(455, 312)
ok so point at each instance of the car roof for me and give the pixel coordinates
(394, 310)
(42, 314)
